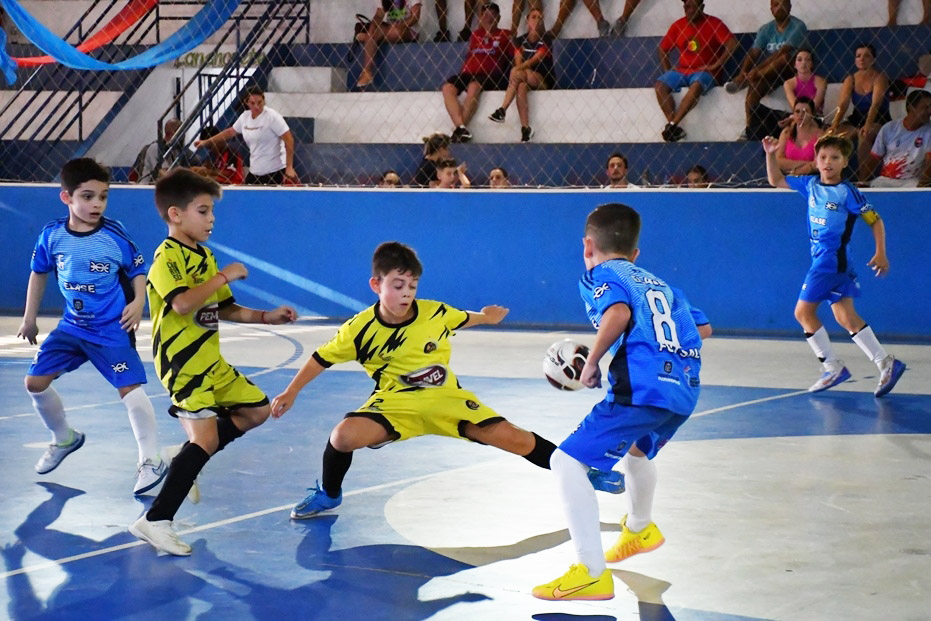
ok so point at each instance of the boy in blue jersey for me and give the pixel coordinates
(101, 275)
(654, 338)
(833, 208)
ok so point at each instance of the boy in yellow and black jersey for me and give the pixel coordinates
(403, 344)
(188, 295)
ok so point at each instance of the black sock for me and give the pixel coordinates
(226, 432)
(181, 474)
(335, 466)
(541, 453)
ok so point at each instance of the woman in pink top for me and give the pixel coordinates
(805, 83)
(796, 150)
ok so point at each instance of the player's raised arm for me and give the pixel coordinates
(29, 330)
(489, 315)
(773, 174)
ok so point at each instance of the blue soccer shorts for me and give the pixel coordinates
(831, 286)
(61, 352)
(676, 80)
(610, 429)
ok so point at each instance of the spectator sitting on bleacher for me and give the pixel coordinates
(451, 174)
(395, 21)
(222, 164)
(389, 179)
(697, 177)
(435, 148)
(498, 178)
(805, 83)
(904, 147)
(795, 153)
(894, 12)
(442, 35)
(617, 172)
(147, 168)
(769, 61)
(266, 133)
(605, 28)
(866, 90)
(704, 43)
(533, 69)
(485, 67)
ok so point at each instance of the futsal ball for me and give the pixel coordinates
(563, 362)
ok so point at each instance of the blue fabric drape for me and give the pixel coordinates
(7, 64)
(207, 21)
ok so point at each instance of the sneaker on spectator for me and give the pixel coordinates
(617, 30)
(526, 133)
(465, 33)
(365, 79)
(673, 133)
(461, 134)
(55, 453)
(497, 116)
(604, 28)
(732, 87)
(149, 474)
(441, 36)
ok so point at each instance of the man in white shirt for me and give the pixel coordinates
(904, 147)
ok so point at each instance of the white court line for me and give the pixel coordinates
(753, 402)
(123, 546)
(83, 407)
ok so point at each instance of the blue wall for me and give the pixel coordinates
(740, 255)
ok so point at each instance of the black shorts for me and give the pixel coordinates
(275, 178)
(497, 81)
(857, 118)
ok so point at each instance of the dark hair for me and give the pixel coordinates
(390, 171)
(802, 99)
(814, 60)
(390, 256)
(179, 187)
(614, 227)
(840, 143)
(701, 170)
(252, 89)
(208, 131)
(446, 163)
(503, 171)
(435, 142)
(868, 46)
(77, 171)
(914, 98)
(491, 5)
(617, 154)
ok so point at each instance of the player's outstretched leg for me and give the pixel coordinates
(335, 466)
(48, 406)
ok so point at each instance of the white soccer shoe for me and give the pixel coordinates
(160, 535)
(830, 378)
(149, 474)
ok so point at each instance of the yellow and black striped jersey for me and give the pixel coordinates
(406, 356)
(185, 347)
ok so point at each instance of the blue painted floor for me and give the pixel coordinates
(767, 498)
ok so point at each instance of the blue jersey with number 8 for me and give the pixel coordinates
(657, 360)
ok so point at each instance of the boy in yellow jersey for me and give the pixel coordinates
(403, 344)
(188, 295)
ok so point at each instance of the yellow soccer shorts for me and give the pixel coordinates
(431, 411)
(223, 389)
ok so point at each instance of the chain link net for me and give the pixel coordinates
(353, 120)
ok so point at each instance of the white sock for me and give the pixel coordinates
(640, 480)
(820, 343)
(870, 345)
(581, 509)
(49, 408)
(142, 419)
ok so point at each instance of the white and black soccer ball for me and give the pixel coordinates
(563, 362)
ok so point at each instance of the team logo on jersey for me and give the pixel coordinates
(174, 271)
(433, 375)
(919, 141)
(208, 317)
(830, 206)
(667, 367)
(139, 260)
(100, 267)
(600, 290)
(60, 261)
(472, 405)
(430, 347)
(119, 367)
(78, 305)
(866, 208)
(80, 286)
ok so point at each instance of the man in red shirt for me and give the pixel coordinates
(704, 43)
(485, 67)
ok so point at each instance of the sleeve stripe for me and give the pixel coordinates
(323, 363)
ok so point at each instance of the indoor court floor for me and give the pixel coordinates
(775, 504)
